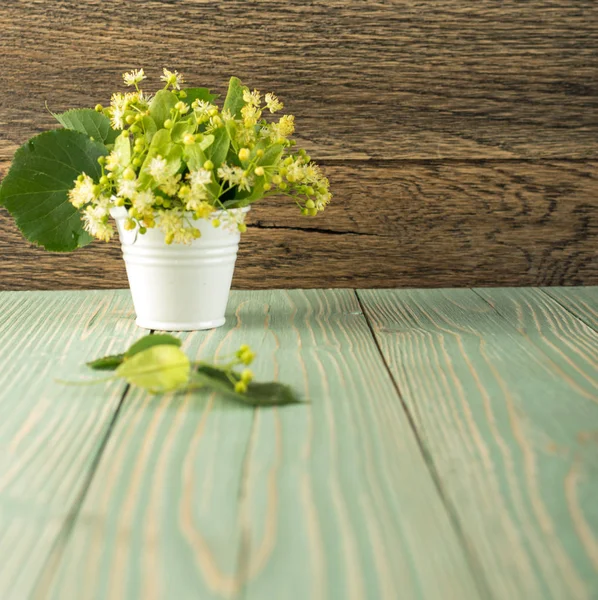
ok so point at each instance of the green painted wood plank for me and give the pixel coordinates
(581, 301)
(567, 342)
(49, 432)
(199, 498)
(509, 431)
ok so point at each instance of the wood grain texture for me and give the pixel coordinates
(387, 79)
(50, 433)
(199, 498)
(582, 302)
(405, 224)
(506, 407)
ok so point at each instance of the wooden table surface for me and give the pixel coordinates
(449, 450)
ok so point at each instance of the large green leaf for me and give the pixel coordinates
(161, 105)
(36, 187)
(234, 98)
(198, 93)
(85, 120)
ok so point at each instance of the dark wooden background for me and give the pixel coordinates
(460, 136)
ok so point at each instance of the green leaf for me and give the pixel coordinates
(122, 147)
(149, 128)
(157, 369)
(161, 145)
(234, 98)
(198, 93)
(161, 105)
(258, 394)
(217, 151)
(181, 128)
(106, 363)
(86, 120)
(270, 157)
(157, 339)
(36, 187)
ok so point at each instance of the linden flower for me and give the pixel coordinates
(144, 200)
(232, 175)
(250, 115)
(273, 103)
(95, 222)
(203, 108)
(134, 77)
(157, 168)
(170, 185)
(201, 208)
(173, 78)
(284, 127)
(113, 161)
(252, 98)
(172, 223)
(83, 192)
(246, 181)
(201, 177)
(127, 188)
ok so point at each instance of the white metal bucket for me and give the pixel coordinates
(179, 287)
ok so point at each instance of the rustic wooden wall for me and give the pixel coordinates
(460, 136)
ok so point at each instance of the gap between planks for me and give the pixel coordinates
(474, 565)
(62, 539)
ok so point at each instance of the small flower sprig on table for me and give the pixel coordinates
(157, 364)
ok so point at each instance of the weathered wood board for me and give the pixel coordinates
(460, 136)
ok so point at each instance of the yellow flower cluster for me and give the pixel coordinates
(178, 157)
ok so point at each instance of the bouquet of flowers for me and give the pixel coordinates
(167, 158)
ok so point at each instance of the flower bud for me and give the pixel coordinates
(267, 187)
(189, 139)
(246, 375)
(304, 212)
(310, 204)
(135, 129)
(283, 186)
(142, 230)
(240, 387)
(244, 154)
(242, 227)
(102, 160)
(129, 224)
(104, 180)
(215, 222)
(137, 162)
(138, 117)
(130, 119)
(208, 165)
(180, 106)
(260, 153)
(129, 173)
(259, 171)
(312, 212)
(99, 108)
(182, 94)
(168, 124)
(277, 180)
